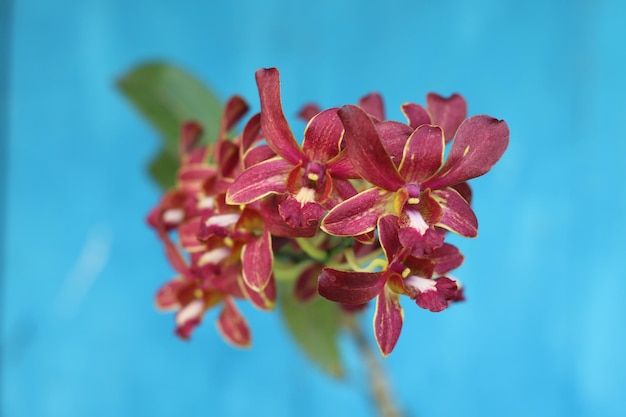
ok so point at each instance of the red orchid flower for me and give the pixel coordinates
(196, 289)
(309, 175)
(404, 274)
(420, 191)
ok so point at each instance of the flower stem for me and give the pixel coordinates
(310, 249)
(379, 383)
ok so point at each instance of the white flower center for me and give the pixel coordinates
(214, 256)
(420, 284)
(191, 311)
(417, 221)
(206, 202)
(222, 220)
(305, 195)
(174, 216)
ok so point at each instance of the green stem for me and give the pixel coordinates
(379, 383)
(310, 249)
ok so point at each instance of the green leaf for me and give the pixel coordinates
(163, 169)
(167, 96)
(315, 325)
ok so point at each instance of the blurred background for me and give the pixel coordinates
(543, 330)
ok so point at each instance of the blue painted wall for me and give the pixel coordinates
(543, 331)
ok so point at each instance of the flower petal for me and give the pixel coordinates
(341, 166)
(447, 112)
(263, 300)
(423, 154)
(273, 122)
(322, 136)
(305, 287)
(369, 157)
(416, 115)
(307, 112)
(275, 222)
(358, 214)
(478, 145)
(298, 215)
(433, 294)
(373, 104)
(446, 258)
(388, 235)
(257, 259)
(251, 132)
(235, 108)
(167, 296)
(189, 317)
(233, 326)
(388, 320)
(258, 181)
(393, 136)
(458, 216)
(350, 287)
(176, 259)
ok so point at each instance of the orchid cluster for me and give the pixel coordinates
(359, 211)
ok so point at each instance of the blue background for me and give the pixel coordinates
(543, 331)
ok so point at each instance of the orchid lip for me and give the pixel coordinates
(223, 220)
(207, 202)
(174, 215)
(214, 256)
(420, 284)
(305, 195)
(417, 221)
(191, 311)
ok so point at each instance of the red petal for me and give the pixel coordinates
(341, 166)
(174, 256)
(257, 155)
(322, 137)
(458, 216)
(257, 259)
(447, 112)
(358, 214)
(306, 284)
(423, 154)
(300, 216)
(368, 156)
(393, 136)
(307, 112)
(373, 104)
(479, 144)
(350, 287)
(188, 235)
(190, 134)
(277, 225)
(167, 296)
(465, 190)
(388, 320)
(416, 115)
(388, 235)
(232, 325)
(273, 122)
(263, 300)
(258, 181)
(235, 108)
(251, 132)
(446, 258)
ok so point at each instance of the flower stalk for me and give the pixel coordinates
(379, 385)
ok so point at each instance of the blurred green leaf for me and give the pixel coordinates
(167, 96)
(163, 169)
(315, 325)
